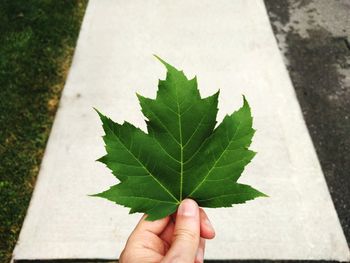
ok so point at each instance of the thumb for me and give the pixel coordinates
(186, 233)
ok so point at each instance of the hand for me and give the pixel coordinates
(166, 240)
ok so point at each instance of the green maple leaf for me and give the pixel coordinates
(182, 156)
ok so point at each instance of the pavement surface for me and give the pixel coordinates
(314, 39)
(216, 42)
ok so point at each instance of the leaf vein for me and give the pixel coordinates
(228, 145)
(154, 178)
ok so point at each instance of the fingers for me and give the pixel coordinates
(144, 235)
(200, 251)
(145, 231)
(167, 234)
(155, 227)
(207, 230)
(186, 233)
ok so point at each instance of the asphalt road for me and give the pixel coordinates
(314, 37)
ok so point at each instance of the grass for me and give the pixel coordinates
(37, 40)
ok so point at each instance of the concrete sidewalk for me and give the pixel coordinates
(228, 45)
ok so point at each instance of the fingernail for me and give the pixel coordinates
(208, 224)
(188, 208)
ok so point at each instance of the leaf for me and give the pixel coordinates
(182, 155)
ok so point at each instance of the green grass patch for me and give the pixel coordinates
(37, 40)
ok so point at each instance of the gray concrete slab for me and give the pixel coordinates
(228, 45)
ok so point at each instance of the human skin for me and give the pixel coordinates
(178, 238)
